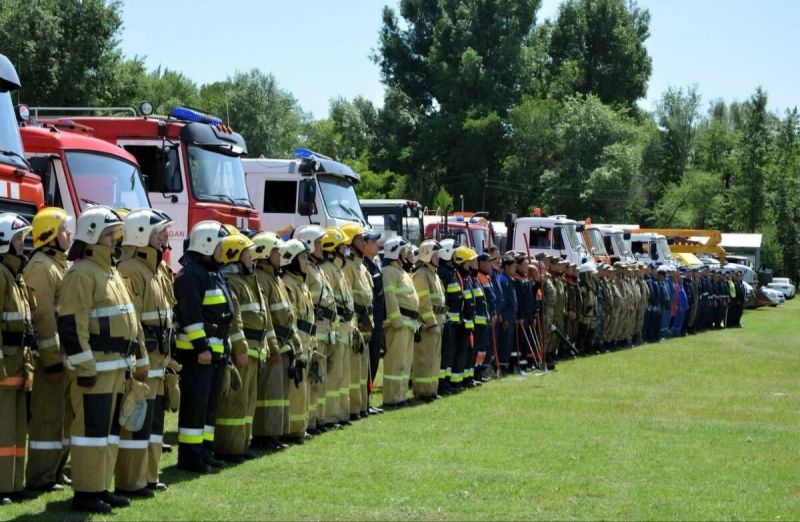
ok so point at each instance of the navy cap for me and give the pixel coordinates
(485, 257)
(372, 235)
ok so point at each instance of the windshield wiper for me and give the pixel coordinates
(223, 197)
(89, 201)
(17, 155)
(350, 211)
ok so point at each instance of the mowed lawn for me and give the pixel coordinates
(705, 427)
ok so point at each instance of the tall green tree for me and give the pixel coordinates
(255, 105)
(677, 114)
(166, 88)
(65, 51)
(588, 154)
(784, 192)
(748, 186)
(453, 68)
(598, 47)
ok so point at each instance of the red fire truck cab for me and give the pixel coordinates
(190, 161)
(78, 171)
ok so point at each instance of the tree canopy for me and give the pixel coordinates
(483, 99)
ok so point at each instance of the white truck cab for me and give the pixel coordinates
(393, 217)
(614, 239)
(648, 247)
(309, 189)
(553, 235)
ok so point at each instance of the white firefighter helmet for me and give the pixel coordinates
(139, 224)
(394, 247)
(94, 221)
(291, 249)
(308, 234)
(448, 248)
(205, 237)
(10, 225)
(427, 249)
(264, 243)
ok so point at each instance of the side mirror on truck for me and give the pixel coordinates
(307, 197)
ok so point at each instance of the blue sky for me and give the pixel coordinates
(319, 49)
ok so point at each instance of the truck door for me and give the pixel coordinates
(162, 165)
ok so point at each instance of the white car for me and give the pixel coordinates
(769, 297)
(783, 285)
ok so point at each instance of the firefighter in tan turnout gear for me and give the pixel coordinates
(294, 261)
(360, 283)
(402, 312)
(16, 338)
(337, 407)
(140, 268)
(326, 322)
(271, 417)
(432, 314)
(248, 334)
(99, 332)
(43, 275)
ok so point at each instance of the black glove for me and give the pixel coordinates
(316, 376)
(418, 335)
(29, 338)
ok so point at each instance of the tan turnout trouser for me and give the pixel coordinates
(93, 446)
(46, 428)
(397, 363)
(272, 399)
(426, 363)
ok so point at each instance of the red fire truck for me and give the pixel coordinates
(190, 161)
(20, 190)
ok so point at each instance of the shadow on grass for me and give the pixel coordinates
(54, 510)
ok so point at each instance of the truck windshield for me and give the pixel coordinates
(598, 248)
(620, 247)
(99, 179)
(10, 143)
(479, 238)
(663, 248)
(340, 198)
(575, 242)
(217, 177)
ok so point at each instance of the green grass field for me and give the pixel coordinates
(705, 427)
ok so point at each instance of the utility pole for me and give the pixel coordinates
(485, 188)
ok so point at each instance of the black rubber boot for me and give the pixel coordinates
(90, 503)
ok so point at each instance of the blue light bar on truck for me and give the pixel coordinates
(308, 154)
(183, 113)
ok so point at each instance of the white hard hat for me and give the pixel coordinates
(94, 221)
(139, 224)
(11, 225)
(427, 249)
(394, 246)
(291, 249)
(448, 248)
(205, 237)
(308, 234)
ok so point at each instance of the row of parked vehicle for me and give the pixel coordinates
(193, 166)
